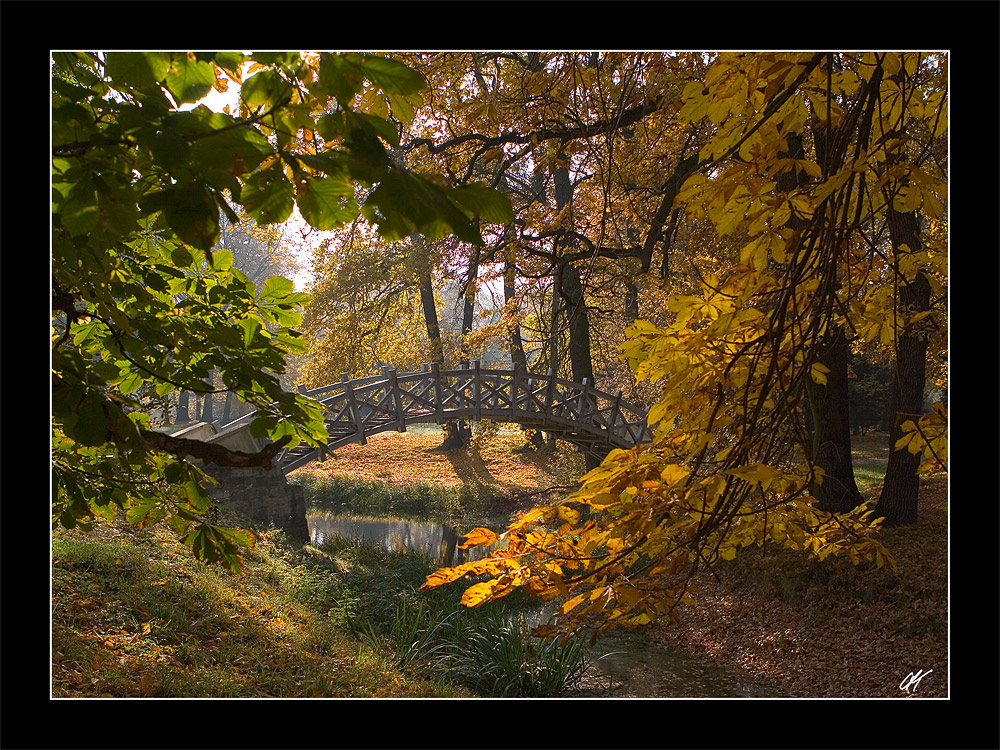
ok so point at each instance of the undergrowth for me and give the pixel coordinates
(135, 615)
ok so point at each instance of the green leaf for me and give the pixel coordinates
(392, 76)
(403, 202)
(138, 70)
(140, 509)
(130, 383)
(268, 197)
(382, 128)
(338, 78)
(181, 257)
(262, 426)
(265, 89)
(190, 211)
(197, 497)
(91, 426)
(235, 150)
(231, 63)
(222, 260)
(276, 287)
(80, 214)
(490, 205)
(250, 328)
(190, 80)
(331, 126)
(327, 203)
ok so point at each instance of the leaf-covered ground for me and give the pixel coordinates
(799, 628)
(134, 615)
(490, 466)
(821, 630)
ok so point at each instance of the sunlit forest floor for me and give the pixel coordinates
(134, 615)
(828, 629)
(493, 466)
(810, 629)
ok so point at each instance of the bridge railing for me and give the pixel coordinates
(586, 416)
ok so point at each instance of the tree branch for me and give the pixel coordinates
(212, 453)
(628, 117)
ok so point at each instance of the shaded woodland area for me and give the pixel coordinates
(752, 245)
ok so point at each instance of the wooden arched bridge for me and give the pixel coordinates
(589, 418)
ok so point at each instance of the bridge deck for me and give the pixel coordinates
(593, 420)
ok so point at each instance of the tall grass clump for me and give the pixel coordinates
(498, 656)
(488, 650)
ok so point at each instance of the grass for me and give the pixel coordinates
(407, 476)
(487, 650)
(134, 615)
(869, 453)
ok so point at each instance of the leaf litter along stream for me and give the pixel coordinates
(628, 664)
(622, 665)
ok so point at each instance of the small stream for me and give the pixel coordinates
(624, 665)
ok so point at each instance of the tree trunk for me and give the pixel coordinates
(684, 169)
(579, 326)
(839, 491)
(427, 300)
(517, 356)
(571, 290)
(831, 426)
(898, 501)
(463, 431)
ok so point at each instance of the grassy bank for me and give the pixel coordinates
(134, 615)
(408, 476)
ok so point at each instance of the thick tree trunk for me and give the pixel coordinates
(831, 422)
(898, 501)
(579, 326)
(571, 290)
(839, 491)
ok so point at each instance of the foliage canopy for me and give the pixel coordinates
(805, 164)
(142, 305)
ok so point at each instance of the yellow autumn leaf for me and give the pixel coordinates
(569, 515)
(818, 373)
(569, 605)
(478, 593)
(478, 536)
(674, 473)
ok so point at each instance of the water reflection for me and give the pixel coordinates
(438, 541)
(622, 666)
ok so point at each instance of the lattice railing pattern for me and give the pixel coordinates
(593, 420)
